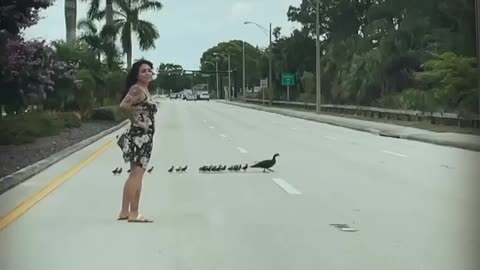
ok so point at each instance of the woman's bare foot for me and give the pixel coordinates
(123, 216)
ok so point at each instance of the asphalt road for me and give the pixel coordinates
(411, 205)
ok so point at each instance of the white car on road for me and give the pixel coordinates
(204, 96)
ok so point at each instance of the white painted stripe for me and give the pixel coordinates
(212, 127)
(286, 186)
(329, 137)
(223, 135)
(242, 150)
(393, 153)
(294, 128)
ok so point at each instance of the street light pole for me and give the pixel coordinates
(229, 70)
(269, 33)
(270, 61)
(216, 72)
(243, 53)
(318, 84)
(229, 79)
(477, 32)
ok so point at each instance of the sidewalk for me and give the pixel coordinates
(464, 141)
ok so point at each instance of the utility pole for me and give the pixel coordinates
(229, 71)
(270, 61)
(216, 71)
(318, 84)
(229, 79)
(243, 52)
(269, 33)
(477, 32)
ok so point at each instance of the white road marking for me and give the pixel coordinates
(212, 127)
(286, 186)
(393, 153)
(329, 137)
(294, 128)
(242, 150)
(223, 135)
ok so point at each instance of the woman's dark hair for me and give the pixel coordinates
(132, 75)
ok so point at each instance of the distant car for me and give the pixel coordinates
(204, 96)
(188, 97)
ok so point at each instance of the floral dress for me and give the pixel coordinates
(136, 142)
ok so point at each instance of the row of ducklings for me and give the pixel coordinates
(221, 168)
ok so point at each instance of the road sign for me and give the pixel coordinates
(288, 79)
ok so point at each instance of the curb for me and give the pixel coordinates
(455, 144)
(18, 177)
(272, 110)
(413, 137)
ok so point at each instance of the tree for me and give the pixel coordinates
(373, 50)
(234, 47)
(95, 13)
(71, 20)
(170, 77)
(100, 43)
(30, 73)
(15, 15)
(128, 22)
(292, 54)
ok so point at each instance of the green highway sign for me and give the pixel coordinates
(288, 79)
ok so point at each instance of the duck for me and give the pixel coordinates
(266, 164)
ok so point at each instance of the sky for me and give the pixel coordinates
(187, 28)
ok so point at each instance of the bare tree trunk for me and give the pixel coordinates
(129, 58)
(129, 44)
(109, 12)
(71, 20)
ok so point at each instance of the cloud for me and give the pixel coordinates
(240, 10)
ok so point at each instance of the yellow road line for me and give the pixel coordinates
(30, 202)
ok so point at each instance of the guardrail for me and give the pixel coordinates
(472, 121)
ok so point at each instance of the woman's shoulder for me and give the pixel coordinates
(136, 90)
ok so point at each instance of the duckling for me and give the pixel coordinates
(244, 168)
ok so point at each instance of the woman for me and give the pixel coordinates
(137, 141)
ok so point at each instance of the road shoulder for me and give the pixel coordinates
(10, 181)
(463, 141)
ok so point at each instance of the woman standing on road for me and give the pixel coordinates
(137, 141)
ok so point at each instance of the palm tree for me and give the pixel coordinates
(70, 20)
(94, 11)
(91, 37)
(129, 21)
(99, 42)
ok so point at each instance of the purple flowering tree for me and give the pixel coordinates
(31, 69)
(17, 15)
(28, 69)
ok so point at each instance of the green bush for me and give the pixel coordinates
(84, 95)
(27, 127)
(70, 120)
(108, 113)
(114, 83)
